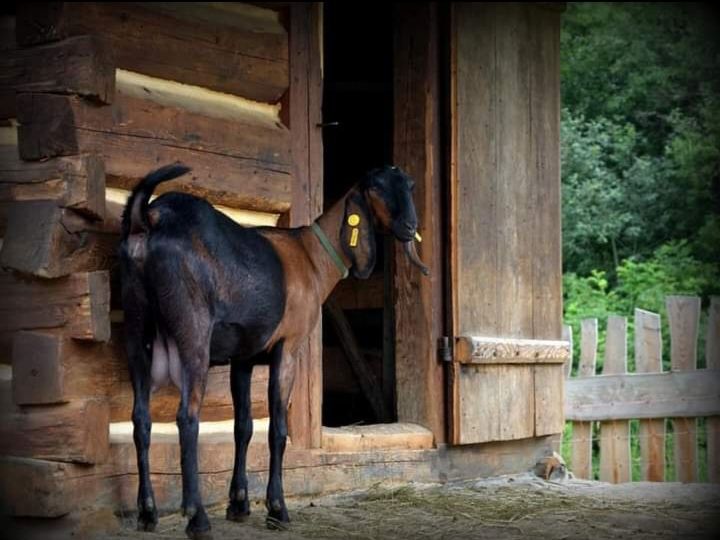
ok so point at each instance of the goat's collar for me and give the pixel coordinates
(325, 242)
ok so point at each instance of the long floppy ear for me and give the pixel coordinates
(359, 246)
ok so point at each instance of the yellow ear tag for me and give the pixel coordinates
(353, 220)
(354, 237)
(418, 237)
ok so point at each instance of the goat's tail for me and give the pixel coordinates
(135, 217)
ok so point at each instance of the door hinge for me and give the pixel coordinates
(444, 349)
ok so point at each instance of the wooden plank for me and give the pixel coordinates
(80, 303)
(643, 395)
(75, 182)
(249, 62)
(63, 241)
(397, 436)
(492, 350)
(489, 406)
(303, 115)
(8, 44)
(73, 432)
(79, 65)
(418, 299)
(648, 359)
(545, 172)
(366, 379)
(712, 361)
(549, 399)
(474, 181)
(582, 431)
(245, 165)
(615, 434)
(684, 318)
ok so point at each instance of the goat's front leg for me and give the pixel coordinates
(194, 373)
(240, 379)
(282, 375)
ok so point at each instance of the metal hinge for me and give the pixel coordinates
(444, 349)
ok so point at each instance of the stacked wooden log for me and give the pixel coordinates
(94, 96)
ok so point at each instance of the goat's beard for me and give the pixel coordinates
(411, 252)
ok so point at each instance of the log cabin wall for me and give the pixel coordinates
(93, 96)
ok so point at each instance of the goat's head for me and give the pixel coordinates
(384, 201)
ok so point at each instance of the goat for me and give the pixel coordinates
(199, 290)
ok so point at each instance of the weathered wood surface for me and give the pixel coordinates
(418, 310)
(8, 44)
(80, 65)
(582, 431)
(73, 432)
(371, 390)
(549, 389)
(62, 241)
(397, 436)
(615, 434)
(80, 303)
(648, 359)
(75, 182)
(646, 395)
(493, 350)
(684, 318)
(567, 335)
(712, 361)
(238, 164)
(302, 111)
(232, 57)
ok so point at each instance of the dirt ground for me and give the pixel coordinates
(502, 508)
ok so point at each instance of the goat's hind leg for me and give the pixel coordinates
(240, 379)
(139, 332)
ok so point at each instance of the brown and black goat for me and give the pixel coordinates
(199, 290)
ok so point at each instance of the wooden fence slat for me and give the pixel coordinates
(683, 317)
(582, 431)
(615, 434)
(712, 361)
(648, 359)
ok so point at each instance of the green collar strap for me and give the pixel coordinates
(330, 249)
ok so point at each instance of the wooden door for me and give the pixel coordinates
(505, 289)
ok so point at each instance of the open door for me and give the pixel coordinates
(506, 375)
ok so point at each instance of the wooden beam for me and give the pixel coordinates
(489, 350)
(615, 434)
(80, 65)
(648, 359)
(75, 182)
(249, 62)
(368, 384)
(63, 241)
(80, 303)
(240, 165)
(684, 319)
(74, 432)
(418, 299)
(647, 395)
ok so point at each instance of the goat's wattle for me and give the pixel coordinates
(411, 252)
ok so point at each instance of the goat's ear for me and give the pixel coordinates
(358, 235)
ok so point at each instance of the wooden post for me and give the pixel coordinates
(648, 359)
(582, 431)
(416, 148)
(615, 434)
(567, 335)
(684, 316)
(305, 100)
(712, 361)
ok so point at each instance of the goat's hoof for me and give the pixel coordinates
(238, 511)
(198, 527)
(147, 519)
(278, 520)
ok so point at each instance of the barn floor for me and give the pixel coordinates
(502, 508)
